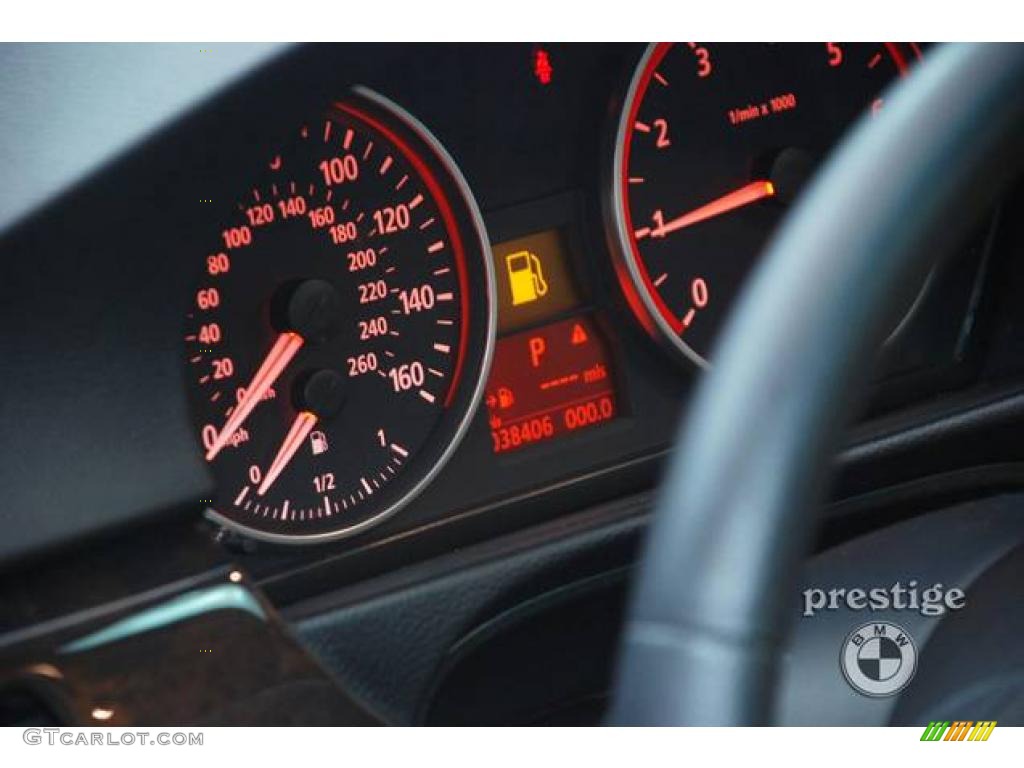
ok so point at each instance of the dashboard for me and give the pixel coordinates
(366, 305)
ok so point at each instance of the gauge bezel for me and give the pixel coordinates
(635, 283)
(469, 382)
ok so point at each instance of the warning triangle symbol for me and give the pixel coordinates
(579, 336)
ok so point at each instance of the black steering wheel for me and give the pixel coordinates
(737, 509)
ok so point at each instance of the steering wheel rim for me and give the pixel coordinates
(709, 614)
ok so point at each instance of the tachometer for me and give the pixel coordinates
(712, 143)
(339, 337)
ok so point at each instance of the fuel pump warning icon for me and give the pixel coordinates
(318, 442)
(525, 277)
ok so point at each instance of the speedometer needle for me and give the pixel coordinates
(745, 195)
(301, 427)
(276, 361)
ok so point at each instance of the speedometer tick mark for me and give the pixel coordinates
(427, 396)
(435, 247)
(415, 201)
(368, 150)
(385, 165)
(427, 223)
(347, 142)
(401, 182)
(327, 131)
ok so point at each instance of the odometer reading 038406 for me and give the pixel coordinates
(713, 143)
(344, 321)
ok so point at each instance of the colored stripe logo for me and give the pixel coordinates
(959, 730)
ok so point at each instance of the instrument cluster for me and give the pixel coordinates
(358, 313)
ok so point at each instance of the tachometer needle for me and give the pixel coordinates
(276, 361)
(745, 195)
(301, 427)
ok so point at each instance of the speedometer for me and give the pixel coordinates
(712, 144)
(342, 327)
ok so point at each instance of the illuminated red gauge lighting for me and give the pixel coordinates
(280, 355)
(338, 340)
(700, 119)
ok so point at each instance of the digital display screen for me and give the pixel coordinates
(534, 279)
(549, 381)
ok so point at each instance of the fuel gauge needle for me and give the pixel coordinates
(277, 359)
(745, 195)
(301, 427)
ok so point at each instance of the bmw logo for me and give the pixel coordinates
(879, 659)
